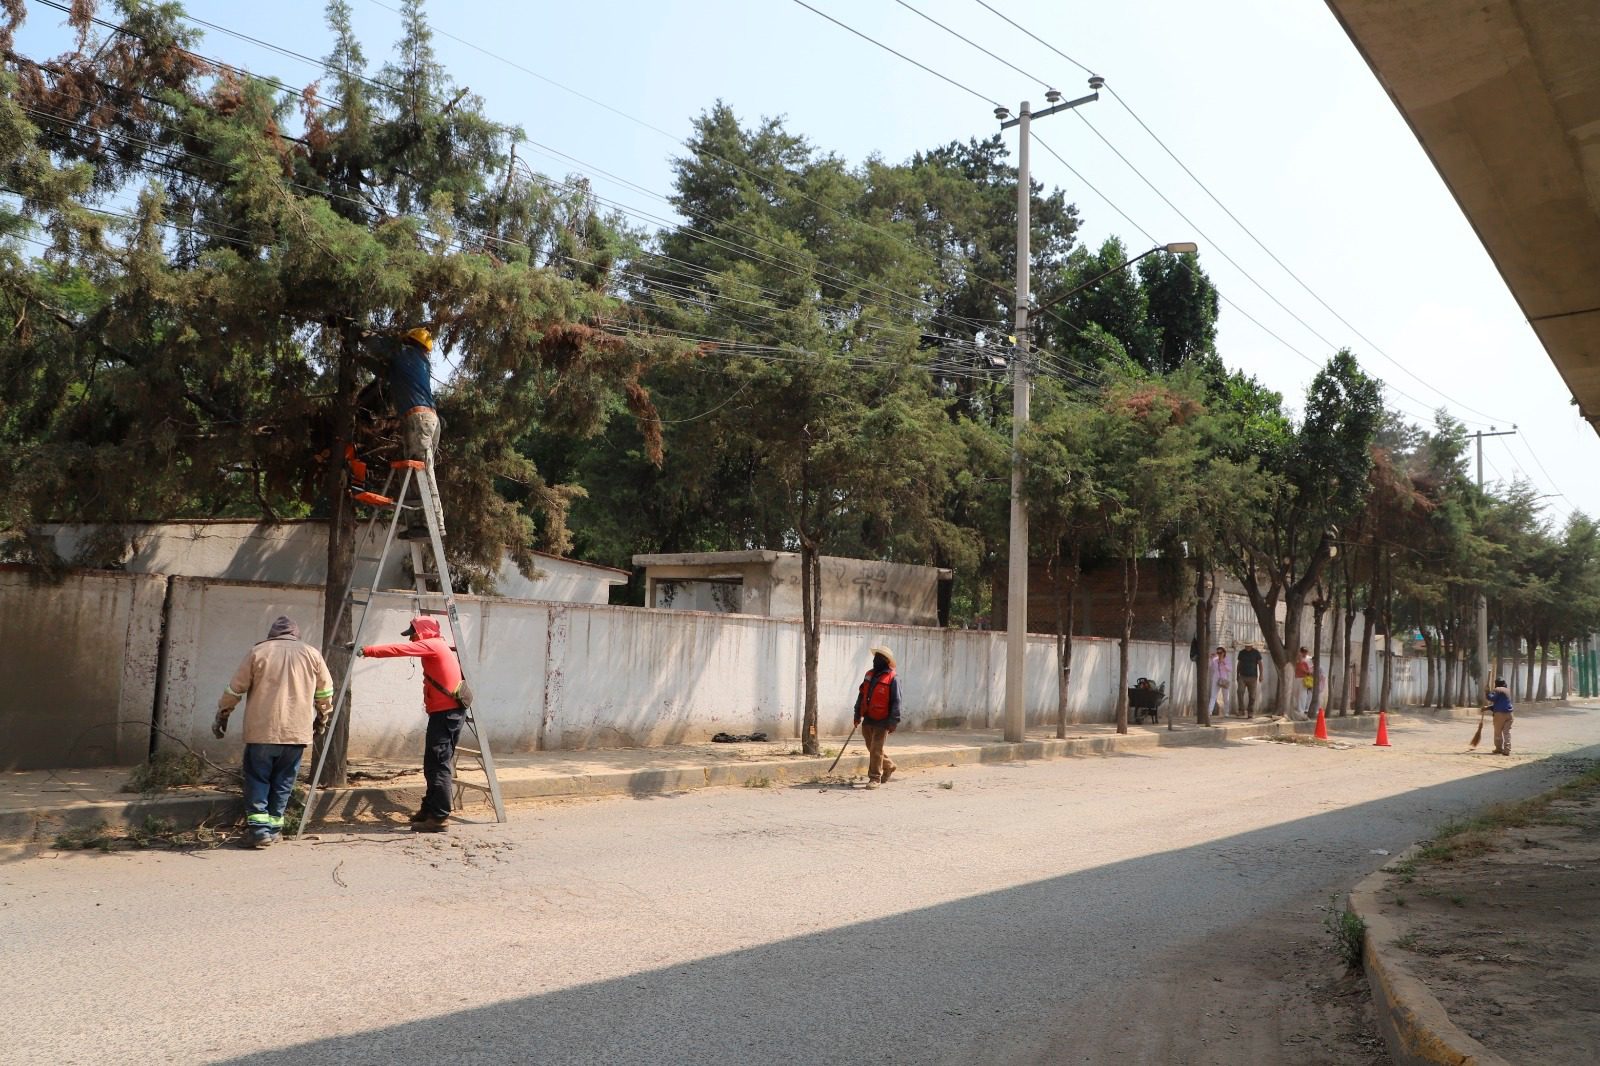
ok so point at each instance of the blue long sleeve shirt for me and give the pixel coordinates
(410, 376)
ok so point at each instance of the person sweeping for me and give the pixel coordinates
(1500, 704)
(878, 713)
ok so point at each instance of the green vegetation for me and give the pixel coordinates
(1348, 930)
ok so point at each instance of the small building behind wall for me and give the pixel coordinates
(767, 583)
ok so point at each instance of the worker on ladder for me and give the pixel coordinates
(444, 697)
(409, 377)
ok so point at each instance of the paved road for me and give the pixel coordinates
(917, 924)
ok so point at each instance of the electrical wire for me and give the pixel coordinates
(1372, 345)
(872, 40)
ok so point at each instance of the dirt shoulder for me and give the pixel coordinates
(1498, 917)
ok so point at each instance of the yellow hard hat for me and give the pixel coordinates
(422, 337)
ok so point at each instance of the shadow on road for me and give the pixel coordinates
(987, 978)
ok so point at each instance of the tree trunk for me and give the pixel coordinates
(1427, 651)
(336, 621)
(1528, 683)
(811, 621)
(1319, 677)
(1130, 585)
(1172, 653)
(1066, 607)
(1369, 622)
(1388, 632)
(1566, 665)
(1452, 677)
(1544, 685)
(1499, 649)
(1205, 605)
(1347, 673)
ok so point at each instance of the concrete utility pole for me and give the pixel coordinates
(1483, 601)
(1017, 556)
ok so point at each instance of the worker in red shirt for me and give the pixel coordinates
(442, 689)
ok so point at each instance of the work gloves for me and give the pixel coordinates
(320, 725)
(858, 719)
(220, 725)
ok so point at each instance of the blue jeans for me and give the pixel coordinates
(269, 773)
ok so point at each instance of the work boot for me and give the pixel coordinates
(263, 838)
(430, 824)
(420, 816)
(872, 782)
(887, 770)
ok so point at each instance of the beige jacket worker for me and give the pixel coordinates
(285, 680)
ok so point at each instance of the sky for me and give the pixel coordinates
(1265, 102)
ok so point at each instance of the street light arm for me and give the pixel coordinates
(1176, 248)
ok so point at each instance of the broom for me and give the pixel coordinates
(1479, 734)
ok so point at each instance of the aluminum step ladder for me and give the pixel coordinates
(416, 477)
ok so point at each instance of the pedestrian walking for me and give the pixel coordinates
(442, 692)
(1221, 681)
(1500, 704)
(878, 713)
(1249, 673)
(1306, 677)
(289, 693)
(409, 380)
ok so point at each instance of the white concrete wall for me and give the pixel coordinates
(547, 675)
(211, 627)
(567, 676)
(78, 669)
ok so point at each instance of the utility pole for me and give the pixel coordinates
(1021, 394)
(1483, 601)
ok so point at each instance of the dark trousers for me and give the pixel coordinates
(438, 759)
(269, 773)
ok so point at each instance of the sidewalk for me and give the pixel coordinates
(35, 805)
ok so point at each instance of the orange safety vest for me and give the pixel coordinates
(874, 701)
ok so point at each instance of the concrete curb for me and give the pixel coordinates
(40, 824)
(1415, 1026)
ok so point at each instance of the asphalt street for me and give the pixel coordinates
(961, 916)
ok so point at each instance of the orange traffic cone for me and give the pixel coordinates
(1383, 731)
(1322, 725)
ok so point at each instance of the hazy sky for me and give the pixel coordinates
(1266, 101)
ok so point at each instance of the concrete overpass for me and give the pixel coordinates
(1505, 97)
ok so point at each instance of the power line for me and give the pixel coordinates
(1371, 344)
(1036, 37)
(975, 44)
(872, 40)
